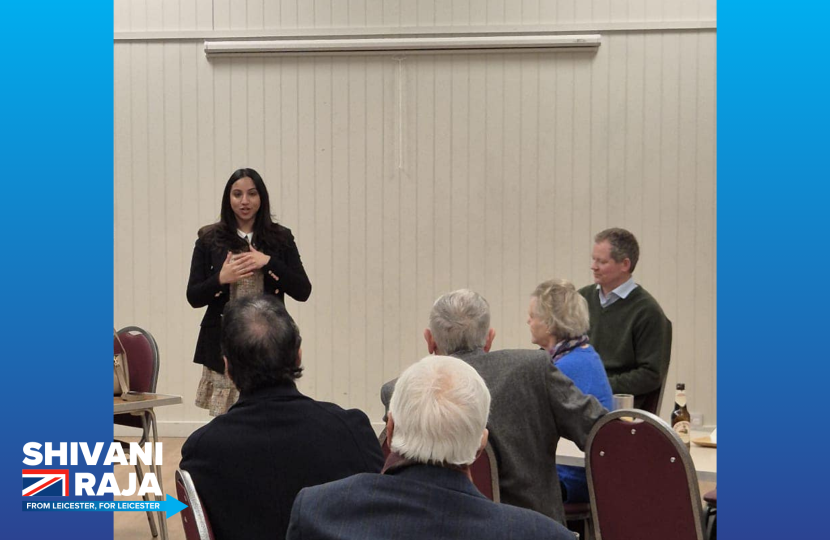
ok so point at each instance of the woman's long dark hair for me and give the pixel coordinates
(267, 233)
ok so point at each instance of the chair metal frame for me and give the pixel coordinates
(682, 452)
(711, 515)
(148, 418)
(490, 455)
(582, 514)
(195, 510)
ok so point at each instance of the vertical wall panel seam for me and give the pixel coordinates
(573, 179)
(333, 203)
(590, 147)
(163, 195)
(678, 166)
(643, 129)
(502, 260)
(627, 124)
(367, 209)
(608, 136)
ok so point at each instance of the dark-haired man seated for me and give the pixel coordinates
(436, 428)
(250, 463)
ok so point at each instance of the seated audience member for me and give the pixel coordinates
(533, 402)
(250, 463)
(628, 327)
(436, 428)
(558, 320)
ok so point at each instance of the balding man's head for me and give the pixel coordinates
(261, 342)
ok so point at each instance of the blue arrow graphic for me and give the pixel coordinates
(171, 506)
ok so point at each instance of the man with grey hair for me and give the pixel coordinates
(533, 403)
(436, 427)
(628, 327)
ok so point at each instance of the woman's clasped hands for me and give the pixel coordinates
(241, 265)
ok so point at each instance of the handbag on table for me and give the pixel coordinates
(121, 373)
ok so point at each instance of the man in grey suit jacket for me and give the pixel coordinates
(436, 428)
(533, 402)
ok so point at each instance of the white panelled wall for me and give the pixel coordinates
(404, 177)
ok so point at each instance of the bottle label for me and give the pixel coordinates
(682, 428)
(680, 399)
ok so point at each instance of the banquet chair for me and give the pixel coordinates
(652, 401)
(143, 363)
(484, 470)
(194, 518)
(641, 479)
(578, 519)
(711, 498)
(580, 513)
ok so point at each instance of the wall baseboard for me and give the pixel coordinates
(165, 429)
(184, 429)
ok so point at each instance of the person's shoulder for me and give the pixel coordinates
(281, 231)
(335, 411)
(387, 390)
(523, 366)
(337, 493)
(520, 356)
(207, 232)
(325, 491)
(645, 301)
(531, 523)
(588, 290)
(193, 441)
(582, 353)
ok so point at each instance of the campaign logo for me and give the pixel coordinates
(45, 482)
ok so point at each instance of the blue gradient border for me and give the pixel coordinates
(772, 191)
(56, 147)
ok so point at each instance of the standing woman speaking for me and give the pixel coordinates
(244, 253)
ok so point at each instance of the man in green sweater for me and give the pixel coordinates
(628, 327)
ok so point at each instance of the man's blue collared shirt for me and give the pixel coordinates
(620, 292)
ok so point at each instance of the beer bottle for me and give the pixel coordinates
(680, 418)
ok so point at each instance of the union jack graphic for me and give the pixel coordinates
(45, 482)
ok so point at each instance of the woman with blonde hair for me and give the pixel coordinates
(558, 320)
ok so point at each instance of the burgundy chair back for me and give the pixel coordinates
(641, 480)
(484, 470)
(711, 498)
(194, 519)
(142, 357)
(143, 363)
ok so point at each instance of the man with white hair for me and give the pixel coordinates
(436, 427)
(533, 402)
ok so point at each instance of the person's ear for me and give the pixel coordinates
(484, 436)
(626, 264)
(299, 357)
(430, 341)
(227, 366)
(390, 429)
(491, 335)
